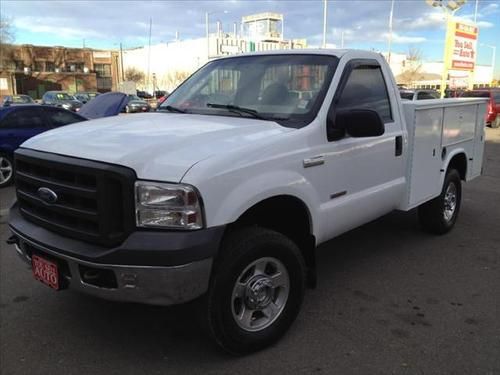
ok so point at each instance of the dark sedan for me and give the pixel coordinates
(61, 99)
(136, 104)
(21, 122)
(16, 100)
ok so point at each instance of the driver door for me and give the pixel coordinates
(366, 174)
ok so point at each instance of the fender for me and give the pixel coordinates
(449, 157)
(256, 189)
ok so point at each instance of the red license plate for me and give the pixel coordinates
(45, 271)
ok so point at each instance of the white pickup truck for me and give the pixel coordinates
(223, 195)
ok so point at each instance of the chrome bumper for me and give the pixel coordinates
(142, 284)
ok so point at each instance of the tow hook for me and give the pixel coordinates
(12, 240)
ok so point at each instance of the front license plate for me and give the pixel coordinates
(45, 271)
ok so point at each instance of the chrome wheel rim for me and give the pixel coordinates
(260, 294)
(5, 170)
(450, 201)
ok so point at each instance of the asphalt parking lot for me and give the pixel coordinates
(390, 300)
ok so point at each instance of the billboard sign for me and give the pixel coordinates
(461, 45)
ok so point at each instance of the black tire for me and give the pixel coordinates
(434, 216)
(238, 251)
(6, 178)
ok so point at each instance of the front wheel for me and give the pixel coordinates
(6, 170)
(256, 290)
(439, 215)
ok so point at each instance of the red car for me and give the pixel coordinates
(493, 110)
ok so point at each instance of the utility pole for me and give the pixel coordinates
(149, 52)
(121, 63)
(475, 11)
(208, 35)
(342, 39)
(325, 10)
(390, 33)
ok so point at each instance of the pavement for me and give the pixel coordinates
(390, 300)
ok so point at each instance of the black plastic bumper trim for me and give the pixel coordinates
(140, 248)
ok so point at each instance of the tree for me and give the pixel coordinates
(173, 79)
(412, 67)
(6, 40)
(134, 75)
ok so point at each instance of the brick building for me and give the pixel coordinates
(33, 70)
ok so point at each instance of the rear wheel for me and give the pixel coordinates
(6, 170)
(256, 290)
(439, 215)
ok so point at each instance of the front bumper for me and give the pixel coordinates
(151, 267)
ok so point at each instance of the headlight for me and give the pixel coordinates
(163, 205)
(66, 106)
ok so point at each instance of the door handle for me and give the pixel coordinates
(312, 162)
(399, 145)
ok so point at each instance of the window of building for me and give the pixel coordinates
(366, 89)
(104, 83)
(103, 70)
(50, 66)
(39, 66)
(19, 64)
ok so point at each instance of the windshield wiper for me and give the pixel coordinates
(238, 109)
(173, 109)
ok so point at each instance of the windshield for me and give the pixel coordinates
(134, 97)
(288, 89)
(64, 96)
(21, 99)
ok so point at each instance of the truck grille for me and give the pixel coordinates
(94, 200)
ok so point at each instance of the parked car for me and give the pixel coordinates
(85, 97)
(144, 94)
(493, 112)
(418, 94)
(61, 99)
(21, 122)
(224, 194)
(136, 104)
(9, 100)
(160, 94)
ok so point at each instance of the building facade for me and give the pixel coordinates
(33, 70)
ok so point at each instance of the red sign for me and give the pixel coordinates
(461, 45)
(45, 271)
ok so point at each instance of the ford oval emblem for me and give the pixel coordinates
(47, 195)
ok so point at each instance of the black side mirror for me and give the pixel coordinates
(356, 123)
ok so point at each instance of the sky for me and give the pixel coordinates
(105, 24)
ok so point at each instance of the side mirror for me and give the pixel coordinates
(356, 123)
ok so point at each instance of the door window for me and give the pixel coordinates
(59, 117)
(23, 119)
(365, 89)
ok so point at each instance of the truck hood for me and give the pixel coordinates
(158, 146)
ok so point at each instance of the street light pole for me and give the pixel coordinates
(449, 8)
(207, 31)
(208, 35)
(325, 11)
(390, 33)
(475, 11)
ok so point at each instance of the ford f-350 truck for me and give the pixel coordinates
(222, 196)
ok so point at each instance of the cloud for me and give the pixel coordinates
(404, 39)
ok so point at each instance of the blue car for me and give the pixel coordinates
(20, 122)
